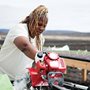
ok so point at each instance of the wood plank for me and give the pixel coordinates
(84, 74)
(77, 63)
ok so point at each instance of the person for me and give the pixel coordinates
(23, 42)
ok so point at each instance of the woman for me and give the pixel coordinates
(22, 43)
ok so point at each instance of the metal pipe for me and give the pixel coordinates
(59, 87)
(75, 85)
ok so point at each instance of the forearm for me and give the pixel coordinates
(25, 46)
(29, 51)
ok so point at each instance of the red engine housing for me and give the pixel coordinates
(55, 63)
(52, 62)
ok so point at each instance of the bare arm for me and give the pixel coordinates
(25, 46)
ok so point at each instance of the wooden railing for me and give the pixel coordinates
(83, 64)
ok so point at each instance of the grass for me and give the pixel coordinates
(77, 52)
(81, 52)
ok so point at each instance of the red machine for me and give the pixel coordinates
(47, 73)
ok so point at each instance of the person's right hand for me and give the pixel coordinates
(39, 56)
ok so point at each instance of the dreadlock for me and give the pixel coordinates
(33, 19)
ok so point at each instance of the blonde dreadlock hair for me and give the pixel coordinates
(33, 19)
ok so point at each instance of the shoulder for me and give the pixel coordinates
(19, 26)
(18, 30)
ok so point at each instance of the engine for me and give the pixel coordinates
(48, 72)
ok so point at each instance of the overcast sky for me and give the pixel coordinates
(63, 14)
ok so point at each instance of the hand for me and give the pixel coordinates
(39, 56)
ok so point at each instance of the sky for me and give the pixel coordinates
(63, 14)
